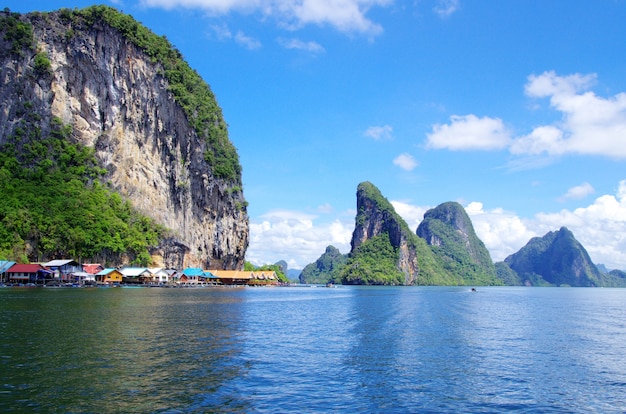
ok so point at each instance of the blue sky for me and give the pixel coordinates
(515, 109)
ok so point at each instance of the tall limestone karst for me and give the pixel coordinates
(383, 248)
(555, 259)
(449, 231)
(154, 125)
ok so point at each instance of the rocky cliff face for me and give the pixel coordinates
(449, 214)
(449, 230)
(556, 258)
(118, 101)
(375, 216)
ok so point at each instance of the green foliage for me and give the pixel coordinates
(556, 259)
(187, 86)
(614, 278)
(52, 205)
(42, 63)
(249, 267)
(431, 272)
(16, 31)
(373, 263)
(326, 269)
(507, 275)
(371, 192)
(458, 249)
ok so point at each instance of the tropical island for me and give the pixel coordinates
(113, 151)
(445, 250)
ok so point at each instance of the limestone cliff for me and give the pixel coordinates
(89, 69)
(376, 217)
(449, 231)
(556, 259)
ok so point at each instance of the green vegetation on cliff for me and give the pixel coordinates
(17, 32)
(375, 262)
(556, 259)
(325, 269)
(507, 275)
(53, 206)
(52, 203)
(418, 267)
(449, 231)
(614, 278)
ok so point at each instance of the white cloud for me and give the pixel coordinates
(589, 124)
(295, 237)
(502, 232)
(379, 133)
(405, 161)
(298, 44)
(325, 208)
(578, 192)
(445, 8)
(222, 33)
(544, 139)
(344, 15)
(413, 215)
(550, 84)
(599, 227)
(247, 41)
(469, 133)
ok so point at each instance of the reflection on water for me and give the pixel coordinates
(367, 349)
(116, 350)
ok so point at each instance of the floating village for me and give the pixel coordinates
(70, 273)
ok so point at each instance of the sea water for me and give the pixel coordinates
(304, 349)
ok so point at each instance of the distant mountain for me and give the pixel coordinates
(294, 274)
(615, 278)
(602, 268)
(449, 231)
(291, 274)
(556, 259)
(283, 266)
(327, 268)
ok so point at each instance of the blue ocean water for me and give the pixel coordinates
(303, 349)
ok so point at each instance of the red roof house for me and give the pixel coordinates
(23, 273)
(93, 268)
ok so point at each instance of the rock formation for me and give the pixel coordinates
(555, 259)
(119, 100)
(449, 231)
(377, 217)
